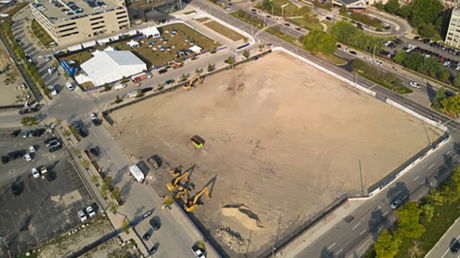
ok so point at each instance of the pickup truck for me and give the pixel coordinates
(197, 252)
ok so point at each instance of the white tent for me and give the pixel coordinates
(113, 38)
(89, 44)
(196, 49)
(74, 48)
(110, 66)
(132, 32)
(96, 52)
(109, 48)
(150, 31)
(133, 43)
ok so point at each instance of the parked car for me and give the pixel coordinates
(5, 159)
(94, 152)
(90, 211)
(155, 223)
(15, 133)
(162, 71)
(353, 52)
(54, 148)
(15, 189)
(81, 214)
(147, 234)
(49, 141)
(170, 81)
(28, 157)
(395, 204)
(69, 86)
(32, 149)
(120, 86)
(35, 173)
(153, 249)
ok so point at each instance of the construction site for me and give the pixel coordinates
(254, 155)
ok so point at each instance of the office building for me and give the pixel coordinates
(453, 33)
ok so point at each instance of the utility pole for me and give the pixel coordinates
(373, 54)
(7, 247)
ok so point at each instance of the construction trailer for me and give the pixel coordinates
(197, 141)
(135, 171)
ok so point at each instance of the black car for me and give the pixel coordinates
(153, 249)
(5, 159)
(162, 71)
(94, 152)
(170, 81)
(15, 189)
(455, 247)
(82, 133)
(147, 235)
(155, 223)
(379, 29)
(16, 133)
(328, 18)
(37, 132)
(96, 122)
(55, 148)
(426, 41)
(49, 140)
(146, 89)
(398, 41)
(353, 52)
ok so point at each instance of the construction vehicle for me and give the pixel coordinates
(197, 142)
(191, 205)
(192, 81)
(175, 172)
(183, 191)
(175, 183)
(177, 65)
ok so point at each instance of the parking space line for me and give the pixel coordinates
(454, 156)
(385, 213)
(359, 223)
(448, 152)
(362, 232)
(339, 252)
(432, 165)
(331, 246)
(417, 177)
(422, 182)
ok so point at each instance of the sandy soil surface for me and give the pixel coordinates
(11, 90)
(283, 140)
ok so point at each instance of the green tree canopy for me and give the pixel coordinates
(427, 30)
(386, 246)
(409, 221)
(440, 95)
(319, 42)
(413, 61)
(399, 57)
(392, 6)
(425, 11)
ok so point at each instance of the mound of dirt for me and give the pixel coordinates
(244, 215)
(232, 239)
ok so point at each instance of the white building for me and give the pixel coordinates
(453, 33)
(110, 66)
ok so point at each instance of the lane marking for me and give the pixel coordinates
(356, 225)
(385, 213)
(405, 197)
(454, 156)
(422, 182)
(424, 165)
(432, 165)
(448, 152)
(398, 192)
(378, 208)
(331, 246)
(416, 178)
(339, 252)
(363, 232)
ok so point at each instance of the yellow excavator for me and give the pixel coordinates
(175, 183)
(183, 191)
(191, 205)
(175, 172)
(192, 81)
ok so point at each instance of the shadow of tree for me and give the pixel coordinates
(325, 253)
(376, 222)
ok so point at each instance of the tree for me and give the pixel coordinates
(261, 47)
(197, 71)
(124, 79)
(440, 95)
(201, 244)
(343, 10)
(116, 194)
(66, 133)
(246, 53)
(413, 61)
(409, 221)
(267, 5)
(318, 41)
(386, 246)
(108, 182)
(183, 78)
(118, 100)
(427, 30)
(107, 87)
(425, 11)
(210, 68)
(113, 207)
(104, 191)
(444, 75)
(125, 226)
(457, 80)
(428, 212)
(94, 179)
(230, 60)
(379, 5)
(29, 121)
(392, 6)
(399, 57)
(435, 197)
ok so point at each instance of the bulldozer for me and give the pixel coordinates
(192, 81)
(175, 183)
(191, 205)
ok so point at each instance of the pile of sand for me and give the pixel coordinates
(232, 239)
(244, 215)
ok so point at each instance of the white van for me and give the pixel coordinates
(120, 86)
(132, 94)
(69, 86)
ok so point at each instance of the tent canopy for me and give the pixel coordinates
(195, 49)
(150, 31)
(133, 43)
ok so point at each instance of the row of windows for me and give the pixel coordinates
(96, 23)
(123, 12)
(119, 22)
(96, 18)
(121, 17)
(70, 34)
(100, 27)
(68, 24)
(67, 30)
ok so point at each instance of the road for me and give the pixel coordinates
(442, 248)
(352, 238)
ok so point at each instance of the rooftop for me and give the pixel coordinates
(59, 11)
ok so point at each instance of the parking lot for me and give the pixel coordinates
(35, 210)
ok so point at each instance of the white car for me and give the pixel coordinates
(81, 214)
(27, 157)
(90, 211)
(32, 149)
(93, 116)
(395, 204)
(415, 85)
(377, 62)
(69, 85)
(35, 173)
(120, 86)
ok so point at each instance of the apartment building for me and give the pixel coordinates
(79, 20)
(453, 33)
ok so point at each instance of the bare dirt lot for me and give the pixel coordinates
(12, 90)
(283, 140)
